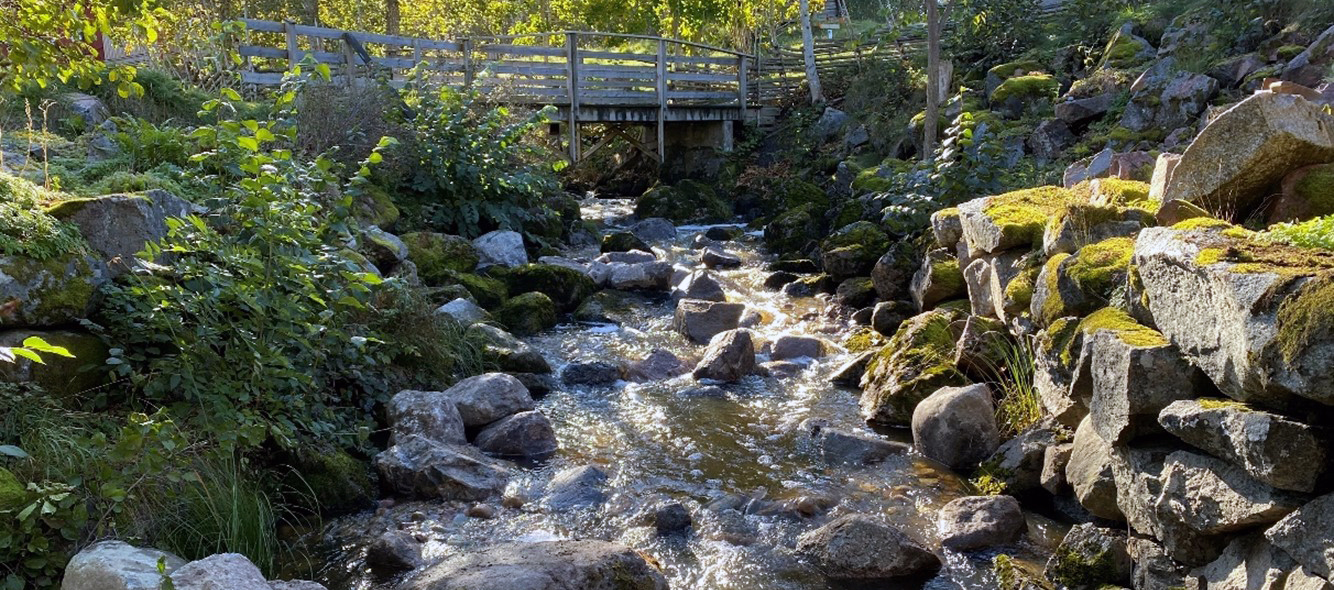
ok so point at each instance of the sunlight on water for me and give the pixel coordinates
(739, 462)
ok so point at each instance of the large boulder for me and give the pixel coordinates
(655, 275)
(1213, 497)
(729, 357)
(701, 320)
(117, 227)
(116, 565)
(566, 286)
(1167, 98)
(700, 285)
(1273, 449)
(794, 230)
(465, 312)
(956, 426)
(483, 399)
(415, 467)
(1240, 158)
(394, 552)
(1011, 220)
(852, 448)
(576, 487)
(937, 280)
(1091, 473)
(224, 571)
(500, 248)
(855, 547)
(385, 250)
(796, 347)
(980, 522)
(1307, 535)
(1311, 66)
(687, 201)
(894, 269)
(547, 565)
(1090, 557)
(1258, 326)
(438, 256)
(1306, 192)
(53, 292)
(429, 414)
(528, 314)
(624, 241)
(917, 361)
(1248, 563)
(505, 351)
(1055, 354)
(654, 229)
(1018, 462)
(1133, 374)
(525, 435)
(853, 250)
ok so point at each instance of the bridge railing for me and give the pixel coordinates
(566, 69)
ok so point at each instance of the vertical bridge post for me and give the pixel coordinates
(467, 62)
(662, 100)
(293, 52)
(742, 89)
(572, 83)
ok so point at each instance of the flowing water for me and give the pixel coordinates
(741, 462)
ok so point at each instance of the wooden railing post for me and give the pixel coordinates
(741, 84)
(349, 62)
(572, 83)
(467, 63)
(662, 99)
(293, 52)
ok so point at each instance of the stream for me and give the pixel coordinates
(741, 462)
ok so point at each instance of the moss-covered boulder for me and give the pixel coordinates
(117, 227)
(1078, 284)
(488, 292)
(1029, 93)
(853, 249)
(502, 350)
(60, 376)
(1011, 220)
(793, 231)
(688, 201)
(938, 279)
(1256, 316)
(999, 74)
(1080, 224)
(374, 206)
(53, 292)
(438, 256)
(1091, 557)
(13, 494)
(610, 306)
(342, 483)
(918, 360)
(623, 241)
(1125, 50)
(527, 314)
(946, 228)
(1307, 192)
(566, 286)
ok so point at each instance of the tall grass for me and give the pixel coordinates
(1010, 370)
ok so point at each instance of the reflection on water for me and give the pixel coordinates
(739, 462)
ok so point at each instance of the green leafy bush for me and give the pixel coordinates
(148, 145)
(1312, 233)
(467, 169)
(26, 229)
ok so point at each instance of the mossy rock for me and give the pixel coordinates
(1125, 50)
(1307, 192)
(62, 377)
(623, 241)
(52, 292)
(688, 201)
(438, 255)
(848, 212)
(873, 180)
(374, 206)
(1118, 322)
(1076, 285)
(13, 494)
(608, 306)
(796, 192)
(1014, 219)
(918, 360)
(1027, 90)
(792, 231)
(488, 292)
(862, 339)
(341, 483)
(853, 249)
(527, 314)
(566, 286)
(1015, 68)
(1118, 191)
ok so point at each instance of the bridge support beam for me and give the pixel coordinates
(694, 148)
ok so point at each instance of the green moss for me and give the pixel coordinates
(70, 301)
(1020, 290)
(686, 201)
(1084, 566)
(1249, 252)
(791, 231)
(1124, 326)
(341, 483)
(870, 181)
(1023, 214)
(1117, 191)
(946, 275)
(375, 206)
(1122, 51)
(1029, 87)
(796, 192)
(1196, 223)
(861, 233)
(13, 494)
(1099, 268)
(527, 314)
(1211, 403)
(1306, 317)
(623, 241)
(863, 339)
(438, 256)
(567, 287)
(1287, 52)
(1008, 70)
(918, 360)
(1316, 189)
(1053, 306)
(1058, 340)
(488, 292)
(962, 306)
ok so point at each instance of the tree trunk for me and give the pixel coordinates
(391, 17)
(313, 12)
(930, 123)
(808, 53)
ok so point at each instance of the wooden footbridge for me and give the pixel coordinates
(634, 85)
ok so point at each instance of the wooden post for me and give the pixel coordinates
(572, 83)
(662, 100)
(741, 84)
(349, 62)
(293, 52)
(467, 63)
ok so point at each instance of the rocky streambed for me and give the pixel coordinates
(715, 480)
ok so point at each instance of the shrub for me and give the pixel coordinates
(1312, 233)
(148, 145)
(26, 229)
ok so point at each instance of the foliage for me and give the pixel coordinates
(148, 145)
(993, 31)
(1312, 233)
(25, 229)
(468, 170)
(44, 41)
(1018, 407)
(31, 349)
